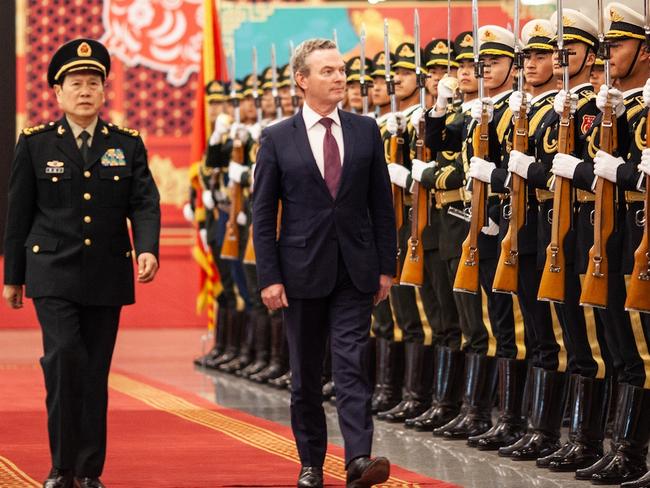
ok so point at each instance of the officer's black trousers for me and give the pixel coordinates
(78, 344)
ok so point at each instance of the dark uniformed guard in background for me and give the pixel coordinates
(73, 185)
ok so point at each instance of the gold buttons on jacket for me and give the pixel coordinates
(116, 178)
(128, 254)
(36, 248)
(88, 219)
(87, 242)
(87, 196)
(86, 174)
(54, 179)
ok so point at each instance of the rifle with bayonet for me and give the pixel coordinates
(362, 73)
(295, 103)
(506, 276)
(467, 276)
(413, 269)
(594, 288)
(230, 247)
(395, 153)
(638, 292)
(551, 286)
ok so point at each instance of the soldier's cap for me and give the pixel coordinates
(577, 27)
(285, 75)
(599, 63)
(235, 89)
(405, 56)
(353, 70)
(435, 53)
(626, 23)
(536, 35)
(78, 55)
(379, 64)
(215, 92)
(495, 40)
(266, 78)
(464, 46)
(248, 88)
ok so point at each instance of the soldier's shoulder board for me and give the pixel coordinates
(37, 129)
(123, 130)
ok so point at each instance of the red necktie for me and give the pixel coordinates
(331, 158)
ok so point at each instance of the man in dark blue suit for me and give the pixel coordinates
(332, 260)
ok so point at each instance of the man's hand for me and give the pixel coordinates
(147, 267)
(13, 295)
(385, 282)
(274, 297)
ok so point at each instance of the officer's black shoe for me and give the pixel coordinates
(620, 469)
(58, 478)
(253, 368)
(88, 483)
(281, 382)
(539, 444)
(506, 451)
(440, 431)
(560, 454)
(504, 433)
(437, 416)
(389, 373)
(211, 355)
(310, 477)
(587, 473)
(579, 455)
(364, 472)
(643, 482)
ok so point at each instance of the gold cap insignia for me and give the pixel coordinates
(468, 41)
(406, 52)
(356, 65)
(440, 48)
(382, 59)
(84, 50)
(488, 35)
(615, 16)
(568, 21)
(54, 164)
(539, 31)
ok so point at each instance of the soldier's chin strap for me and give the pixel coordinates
(544, 82)
(506, 77)
(582, 65)
(633, 60)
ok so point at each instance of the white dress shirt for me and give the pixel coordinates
(316, 134)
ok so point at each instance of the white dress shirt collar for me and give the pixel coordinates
(311, 117)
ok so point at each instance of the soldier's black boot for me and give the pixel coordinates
(480, 384)
(643, 482)
(247, 340)
(282, 382)
(262, 344)
(225, 324)
(631, 435)
(511, 425)
(389, 362)
(279, 363)
(587, 429)
(234, 339)
(417, 384)
(219, 340)
(448, 390)
(548, 397)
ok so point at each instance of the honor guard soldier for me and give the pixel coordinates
(353, 84)
(73, 185)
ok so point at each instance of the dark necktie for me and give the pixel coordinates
(331, 158)
(84, 145)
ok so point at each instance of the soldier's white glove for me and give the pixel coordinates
(644, 165)
(564, 165)
(235, 171)
(396, 123)
(242, 219)
(519, 163)
(255, 130)
(418, 167)
(516, 99)
(208, 201)
(445, 92)
(221, 128)
(239, 131)
(203, 234)
(480, 169)
(477, 109)
(646, 93)
(615, 98)
(398, 174)
(492, 229)
(558, 102)
(188, 213)
(251, 176)
(606, 165)
(416, 116)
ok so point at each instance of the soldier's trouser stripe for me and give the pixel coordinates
(520, 333)
(559, 338)
(426, 327)
(492, 342)
(594, 345)
(641, 345)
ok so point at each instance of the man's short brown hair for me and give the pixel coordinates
(304, 49)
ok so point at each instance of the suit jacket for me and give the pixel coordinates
(314, 226)
(67, 232)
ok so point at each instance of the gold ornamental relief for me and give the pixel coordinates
(173, 183)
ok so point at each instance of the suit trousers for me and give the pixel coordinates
(344, 315)
(78, 343)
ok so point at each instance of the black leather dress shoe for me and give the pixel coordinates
(58, 478)
(364, 472)
(310, 477)
(88, 483)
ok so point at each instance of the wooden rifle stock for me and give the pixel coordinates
(638, 292)
(594, 288)
(230, 247)
(467, 277)
(396, 157)
(506, 276)
(413, 269)
(551, 286)
(249, 252)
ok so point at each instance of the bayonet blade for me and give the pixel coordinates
(362, 71)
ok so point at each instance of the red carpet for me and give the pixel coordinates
(168, 301)
(162, 437)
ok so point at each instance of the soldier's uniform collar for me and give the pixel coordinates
(581, 86)
(77, 129)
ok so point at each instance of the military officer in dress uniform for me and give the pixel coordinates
(73, 185)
